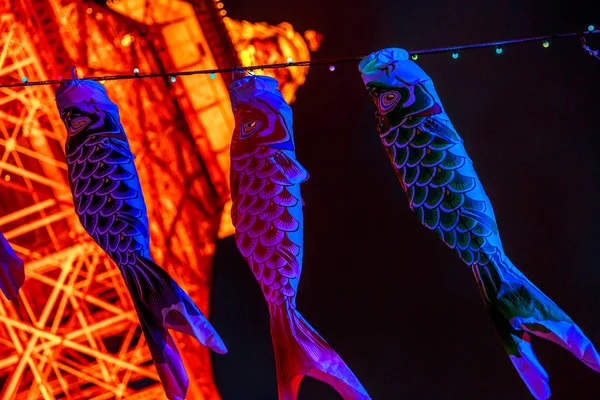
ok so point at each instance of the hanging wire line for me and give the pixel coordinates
(248, 69)
(509, 42)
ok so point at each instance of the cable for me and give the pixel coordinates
(331, 62)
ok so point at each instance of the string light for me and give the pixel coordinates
(136, 71)
(332, 67)
(24, 79)
(414, 55)
(212, 75)
(546, 43)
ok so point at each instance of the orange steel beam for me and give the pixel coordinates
(73, 295)
(79, 338)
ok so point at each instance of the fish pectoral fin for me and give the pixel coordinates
(482, 219)
(437, 128)
(119, 146)
(290, 167)
(136, 223)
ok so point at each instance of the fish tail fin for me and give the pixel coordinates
(519, 309)
(162, 305)
(300, 351)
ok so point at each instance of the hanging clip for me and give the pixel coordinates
(593, 53)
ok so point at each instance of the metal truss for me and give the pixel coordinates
(261, 43)
(73, 334)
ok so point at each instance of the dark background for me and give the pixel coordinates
(390, 298)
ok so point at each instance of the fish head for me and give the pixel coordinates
(262, 117)
(83, 105)
(399, 88)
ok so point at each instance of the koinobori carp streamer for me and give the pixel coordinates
(267, 215)
(109, 202)
(12, 270)
(444, 191)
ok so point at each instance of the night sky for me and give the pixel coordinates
(397, 305)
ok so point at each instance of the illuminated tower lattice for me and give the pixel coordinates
(75, 334)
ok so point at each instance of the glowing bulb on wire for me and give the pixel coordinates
(289, 60)
(455, 55)
(212, 76)
(414, 57)
(498, 50)
(546, 44)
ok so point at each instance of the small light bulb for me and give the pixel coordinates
(89, 10)
(7, 178)
(546, 44)
(455, 55)
(212, 76)
(414, 56)
(24, 79)
(332, 68)
(591, 28)
(173, 79)
(289, 60)
(136, 71)
(498, 50)
(102, 82)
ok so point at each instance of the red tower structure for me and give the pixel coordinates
(75, 335)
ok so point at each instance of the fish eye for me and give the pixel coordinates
(248, 127)
(75, 121)
(388, 100)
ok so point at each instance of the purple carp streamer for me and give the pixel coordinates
(12, 270)
(444, 191)
(109, 202)
(267, 215)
